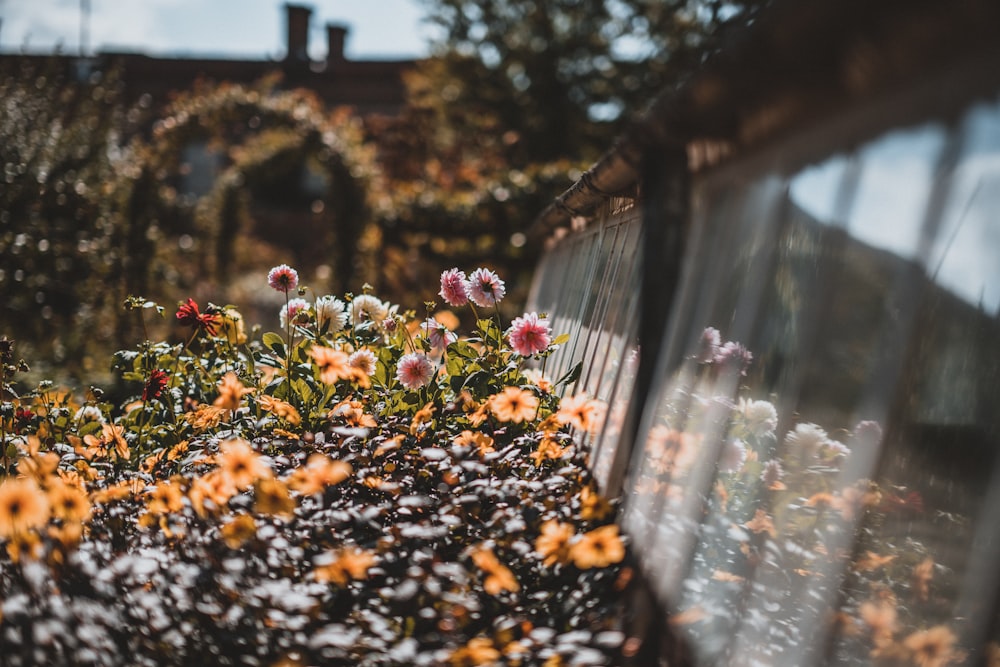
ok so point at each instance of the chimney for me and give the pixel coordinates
(336, 36)
(298, 33)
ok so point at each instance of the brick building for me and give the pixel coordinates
(369, 86)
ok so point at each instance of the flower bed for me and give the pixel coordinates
(363, 488)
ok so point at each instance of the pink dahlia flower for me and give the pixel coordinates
(454, 288)
(292, 311)
(529, 334)
(485, 288)
(414, 371)
(283, 278)
(438, 334)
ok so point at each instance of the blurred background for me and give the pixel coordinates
(175, 148)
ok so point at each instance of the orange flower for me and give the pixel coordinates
(579, 412)
(761, 523)
(922, 575)
(231, 392)
(479, 651)
(600, 547)
(480, 441)
(353, 413)
(318, 473)
(211, 491)
(553, 542)
(872, 561)
(241, 464)
(165, 497)
(280, 408)
(127, 488)
(423, 417)
(514, 405)
(881, 618)
(23, 507)
(238, 531)
(593, 505)
(273, 498)
(112, 438)
(548, 448)
(933, 647)
(334, 365)
(499, 578)
(205, 417)
(345, 564)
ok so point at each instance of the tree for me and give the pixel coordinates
(559, 77)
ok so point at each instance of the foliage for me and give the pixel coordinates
(299, 498)
(59, 142)
(102, 201)
(557, 79)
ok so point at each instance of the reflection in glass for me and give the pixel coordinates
(819, 479)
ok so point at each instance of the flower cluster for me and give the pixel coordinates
(365, 488)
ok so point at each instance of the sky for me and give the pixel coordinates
(252, 29)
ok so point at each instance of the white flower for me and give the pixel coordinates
(806, 437)
(363, 359)
(89, 413)
(331, 314)
(367, 307)
(760, 416)
(734, 455)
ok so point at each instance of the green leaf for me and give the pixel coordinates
(572, 376)
(275, 343)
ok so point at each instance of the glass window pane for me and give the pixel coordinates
(817, 480)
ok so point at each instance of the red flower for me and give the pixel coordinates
(155, 385)
(22, 418)
(188, 313)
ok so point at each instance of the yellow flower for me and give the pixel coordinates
(69, 503)
(345, 564)
(600, 547)
(280, 408)
(240, 464)
(24, 545)
(23, 507)
(593, 505)
(231, 392)
(238, 531)
(553, 542)
(273, 498)
(514, 405)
